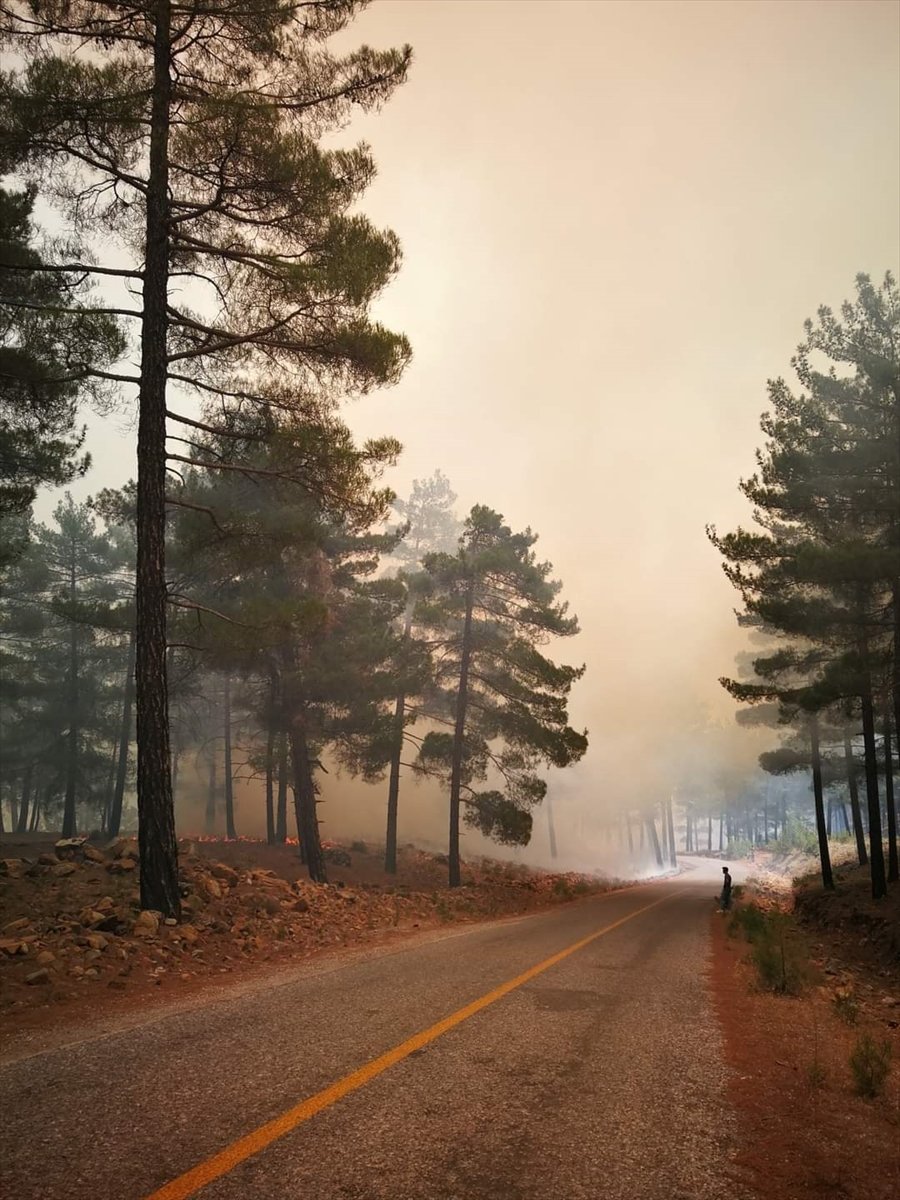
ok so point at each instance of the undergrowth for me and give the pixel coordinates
(781, 966)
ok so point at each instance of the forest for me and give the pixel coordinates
(256, 578)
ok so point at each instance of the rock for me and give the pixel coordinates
(90, 917)
(91, 956)
(189, 934)
(17, 925)
(111, 924)
(147, 924)
(225, 873)
(105, 905)
(301, 905)
(13, 868)
(209, 887)
(116, 847)
(41, 976)
(76, 971)
(45, 958)
(13, 946)
(131, 851)
(47, 859)
(96, 941)
(63, 868)
(171, 921)
(118, 984)
(92, 854)
(338, 856)
(119, 866)
(92, 973)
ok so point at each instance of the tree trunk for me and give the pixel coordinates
(550, 827)
(281, 808)
(230, 831)
(654, 840)
(69, 822)
(873, 805)
(829, 810)
(824, 853)
(156, 813)
(305, 804)
(893, 867)
(459, 733)
(22, 820)
(390, 837)
(721, 832)
(270, 785)
(670, 832)
(211, 789)
(115, 816)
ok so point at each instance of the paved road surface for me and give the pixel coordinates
(599, 1078)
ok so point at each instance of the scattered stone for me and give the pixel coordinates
(189, 934)
(91, 956)
(225, 873)
(96, 941)
(63, 868)
(338, 856)
(76, 971)
(119, 866)
(15, 926)
(301, 905)
(92, 854)
(105, 905)
(209, 887)
(45, 958)
(118, 984)
(41, 976)
(46, 859)
(13, 946)
(92, 973)
(147, 924)
(116, 847)
(13, 868)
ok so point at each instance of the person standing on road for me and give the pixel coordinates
(726, 889)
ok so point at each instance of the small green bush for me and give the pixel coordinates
(816, 1075)
(846, 1006)
(779, 963)
(561, 887)
(749, 920)
(870, 1062)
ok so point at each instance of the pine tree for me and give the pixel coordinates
(210, 165)
(491, 605)
(51, 342)
(431, 526)
(827, 498)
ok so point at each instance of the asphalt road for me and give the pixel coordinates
(599, 1078)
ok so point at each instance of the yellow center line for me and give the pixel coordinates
(258, 1139)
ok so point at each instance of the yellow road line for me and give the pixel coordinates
(226, 1160)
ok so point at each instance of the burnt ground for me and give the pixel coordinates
(807, 1134)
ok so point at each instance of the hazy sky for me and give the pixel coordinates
(615, 218)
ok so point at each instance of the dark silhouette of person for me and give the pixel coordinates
(726, 888)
